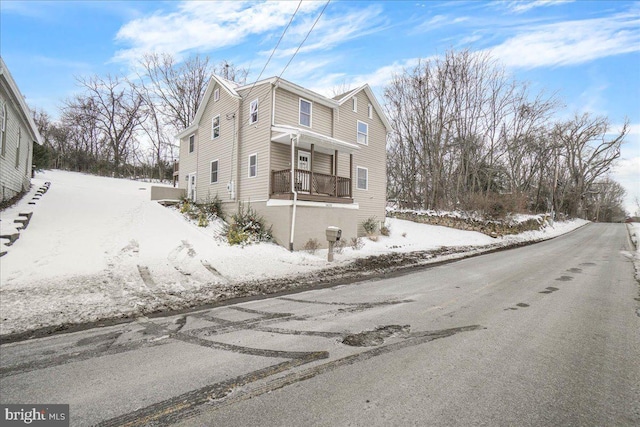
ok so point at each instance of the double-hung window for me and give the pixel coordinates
(192, 143)
(363, 133)
(214, 171)
(253, 111)
(362, 177)
(253, 165)
(305, 112)
(215, 127)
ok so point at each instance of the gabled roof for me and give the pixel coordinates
(22, 104)
(374, 102)
(227, 85)
(294, 88)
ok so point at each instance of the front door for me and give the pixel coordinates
(304, 160)
(191, 187)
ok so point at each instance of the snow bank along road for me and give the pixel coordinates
(542, 335)
(99, 248)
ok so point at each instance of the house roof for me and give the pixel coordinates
(19, 99)
(374, 102)
(227, 85)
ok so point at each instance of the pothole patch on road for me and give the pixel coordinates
(575, 270)
(549, 289)
(564, 278)
(377, 336)
(523, 305)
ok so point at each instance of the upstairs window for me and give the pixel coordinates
(305, 112)
(216, 95)
(363, 133)
(253, 112)
(362, 176)
(214, 171)
(370, 111)
(192, 143)
(215, 127)
(253, 165)
(355, 105)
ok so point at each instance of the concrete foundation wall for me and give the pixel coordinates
(311, 223)
(167, 193)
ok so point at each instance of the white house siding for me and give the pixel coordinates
(255, 139)
(188, 161)
(373, 157)
(288, 112)
(220, 149)
(14, 179)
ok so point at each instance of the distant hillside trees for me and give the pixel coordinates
(468, 136)
(125, 126)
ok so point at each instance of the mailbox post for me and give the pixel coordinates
(333, 235)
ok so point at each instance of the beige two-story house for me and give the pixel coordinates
(300, 159)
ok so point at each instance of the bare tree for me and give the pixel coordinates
(589, 154)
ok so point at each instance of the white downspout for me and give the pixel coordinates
(293, 190)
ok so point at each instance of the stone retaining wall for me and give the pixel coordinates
(490, 228)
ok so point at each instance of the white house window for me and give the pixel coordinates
(370, 111)
(355, 105)
(214, 171)
(216, 95)
(253, 111)
(192, 143)
(363, 178)
(305, 112)
(215, 127)
(3, 127)
(253, 165)
(18, 147)
(363, 133)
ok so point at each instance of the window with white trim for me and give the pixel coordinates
(305, 112)
(215, 127)
(214, 171)
(253, 111)
(355, 104)
(362, 178)
(363, 133)
(18, 147)
(3, 127)
(216, 95)
(192, 143)
(370, 111)
(253, 165)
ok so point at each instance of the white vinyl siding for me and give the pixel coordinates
(215, 127)
(362, 177)
(253, 165)
(305, 112)
(363, 133)
(253, 112)
(214, 171)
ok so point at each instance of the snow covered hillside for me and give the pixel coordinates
(98, 247)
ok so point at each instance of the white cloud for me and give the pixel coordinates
(205, 26)
(571, 42)
(521, 6)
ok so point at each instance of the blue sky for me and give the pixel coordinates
(587, 52)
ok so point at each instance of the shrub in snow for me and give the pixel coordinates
(247, 227)
(370, 225)
(385, 230)
(212, 207)
(312, 246)
(357, 243)
(338, 247)
(203, 221)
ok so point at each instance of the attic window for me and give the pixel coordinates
(216, 95)
(363, 133)
(3, 127)
(215, 127)
(355, 105)
(370, 111)
(192, 143)
(253, 112)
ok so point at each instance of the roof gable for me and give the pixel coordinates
(374, 102)
(24, 108)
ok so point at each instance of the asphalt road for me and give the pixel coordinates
(544, 335)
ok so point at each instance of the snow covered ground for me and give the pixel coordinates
(99, 248)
